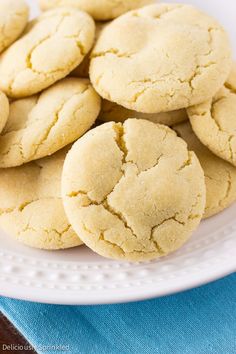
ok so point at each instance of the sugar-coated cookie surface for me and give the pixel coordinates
(51, 48)
(31, 204)
(41, 124)
(100, 10)
(214, 122)
(161, 58)
(13, 19)
(220, 176)
(111, 111)
(4, 110)
(129, 197)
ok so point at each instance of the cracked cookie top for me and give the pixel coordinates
(129, 194)
(214, 122)
(100, 10)
(220, 176)
(4, 110)
(31, 205)
(41, 124)
(161, 58)
(52, 46)
(13, 19)
(111, 111)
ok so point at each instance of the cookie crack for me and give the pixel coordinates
(18, 144)
(78, 42)
(119, 215)
(6, 211)
(190, 81)
(230, 137)
(230, 87)
(154, 83)
(5, 33)
(167, 10)
(59, 233)
(48, 130)
(113, 51)
(198, 72)
(191, 215)
(19, 208)
(154, 242)
(186, 163)
(102, 237)
(55, 121)
(28, 227)
(120, 140)
(150, 84)
(75, 194)
(29, 64)
(23, 205)
(199, 68)
(228, 190)
(174, 218)
(26, 204)
(154, 228)
(154, 166)
(49, 232)
(97, 83)
(28, 59)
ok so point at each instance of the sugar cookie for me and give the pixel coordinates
(31, 205)
(100, 10)
(214, 122)
(40, 125)
(13, 19)
(4, 110)
(50, 49)
(220, 176)
(161, 58)
(111, 111)
(129, 197)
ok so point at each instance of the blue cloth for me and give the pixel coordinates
(200, 321)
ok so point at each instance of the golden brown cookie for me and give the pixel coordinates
(214, 122)
(50, 49)
(31, 206)
(129, 197)
(13, 19)
(40, 125)
(220, 176)
(161, 58)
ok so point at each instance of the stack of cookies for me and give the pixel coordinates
(120, 133)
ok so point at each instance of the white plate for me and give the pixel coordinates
(79, 276)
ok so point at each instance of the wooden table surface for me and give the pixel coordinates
(9, 335)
